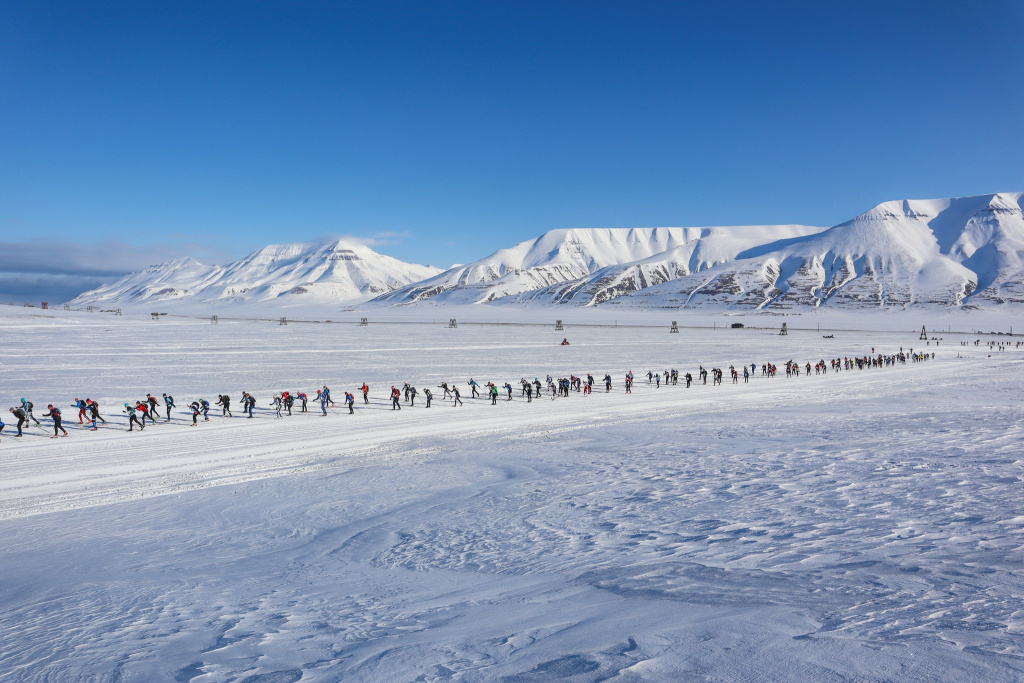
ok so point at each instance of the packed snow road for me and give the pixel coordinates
(856, 525)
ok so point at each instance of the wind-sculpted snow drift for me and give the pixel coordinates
(947, 253)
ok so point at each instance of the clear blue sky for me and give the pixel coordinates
(130, 131)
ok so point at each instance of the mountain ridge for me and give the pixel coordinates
(965, 252)
(328, 272)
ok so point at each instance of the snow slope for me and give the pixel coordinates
(563, 256)
(939, 253)
(860, 525)
(285, 274)
(705, 248)
(967, 251)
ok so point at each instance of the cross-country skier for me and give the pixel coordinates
(206, 409)
(508, 388)
(92, 415)
(323, 403)
(224, 401)
(27, 407)
(366, 393)
(302, 397)
(196, 409)
(80, 404)
(133, 419)
(94, 410)
(350, 400)
(328, 393)
(458, 398)
(473, 385)
(169, 402)
(142, 410)
(447, 391)
(153, 406)
(55, 415)
(277, 404)
(248, 403)
(494, 394)
(22, 417)
(412, 396)
(396, 397)
(429, 396)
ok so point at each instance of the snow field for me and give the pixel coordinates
(862, 525)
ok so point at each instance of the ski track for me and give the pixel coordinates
(859, 526)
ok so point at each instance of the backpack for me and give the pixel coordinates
(28, 405)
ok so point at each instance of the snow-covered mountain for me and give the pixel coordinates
(559, 258)
(336, 272)
(966, 252)
(963, 252)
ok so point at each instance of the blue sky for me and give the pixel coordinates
(131, 132)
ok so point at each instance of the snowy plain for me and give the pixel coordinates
(861, 525)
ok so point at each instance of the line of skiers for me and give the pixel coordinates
(147, 409)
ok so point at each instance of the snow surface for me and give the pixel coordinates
(863, 525)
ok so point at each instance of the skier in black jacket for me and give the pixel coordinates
(224, 401)
(22, 417)
(55, 414)
(94, 410)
